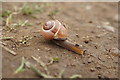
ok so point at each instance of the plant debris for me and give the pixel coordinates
(21, 67)
(6, 38)
(24, 40)
(54, 59)
(6, 13)
(76, 76)
(38, 72)
(7, 49)
(41, 63)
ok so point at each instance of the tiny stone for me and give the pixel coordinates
(96, 47)
(77, 35)
(38, 49)
(86, 41)
(108, 57)
(92, 32)
(90, 22)
(48, 49)
(98, 67)
(84, 63)
(109, 28)
(76, 44)
(99, 76)
(97, 36)
(115, 52)
(90, 60)
(107, 72)
(106, 23)
(13, 48)
(34, 36)
(73, 65)
(101, 59)
(92, 69)
(75, 57)
(109, 38)
(98, 26)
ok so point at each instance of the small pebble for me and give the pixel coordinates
(115, 52)
(86, 41)
(92, 69)
(109, 28)
(100, 76)
(96, 47)
(77, 35)
(97, 36)
(92, 32)
(98, 67)
(13, 48)
(48, 49)
(73, 65)
(76, 44)
(90, 22)
(90, 60)
(101, 58)
(38, 49)
(98, 26)
(109, 38)
(108, 57)
(106, 23)
(75, 57)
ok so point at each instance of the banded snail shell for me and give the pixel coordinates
(53, 29)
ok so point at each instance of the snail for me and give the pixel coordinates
(53, 30)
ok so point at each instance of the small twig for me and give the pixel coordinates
(24, 23)
(7, 49)
(52, 60)
(5, 38)
(9, 18)
(21, 67)
(76, 76)
(61, 73)
(3, 43)
(29, 65)
(41, 64)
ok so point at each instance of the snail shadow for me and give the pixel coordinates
(51, 44)
(55, 47)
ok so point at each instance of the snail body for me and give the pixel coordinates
(53, 29)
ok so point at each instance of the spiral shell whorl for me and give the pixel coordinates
(48, 25)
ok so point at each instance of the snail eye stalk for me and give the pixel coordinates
(53, 30)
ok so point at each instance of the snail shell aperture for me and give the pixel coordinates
(53, 29)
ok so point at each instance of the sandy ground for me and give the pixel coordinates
(86, 24)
